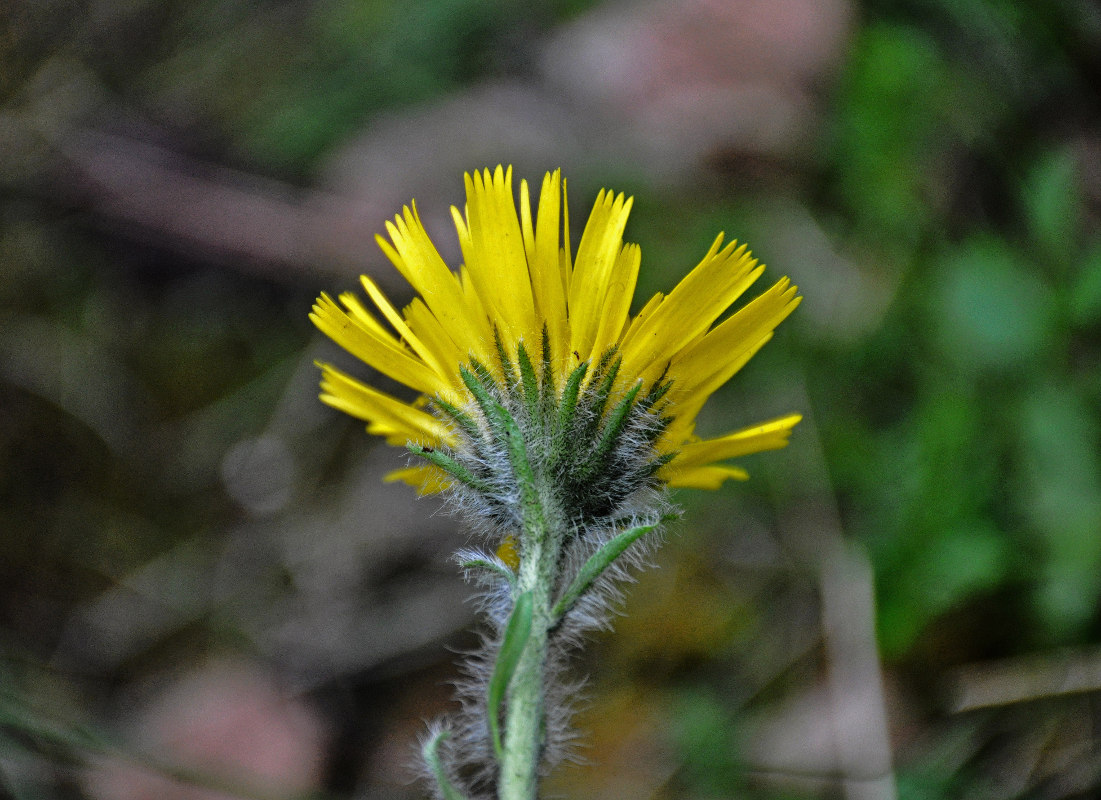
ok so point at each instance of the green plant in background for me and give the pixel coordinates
(969, 452)
(554, 421)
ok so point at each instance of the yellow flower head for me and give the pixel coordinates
(526, 323)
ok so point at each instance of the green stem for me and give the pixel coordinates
(544, 528)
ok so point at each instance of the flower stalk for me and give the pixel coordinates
(525, 716)
(541, 537)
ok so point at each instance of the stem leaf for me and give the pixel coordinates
(507, 369)
(489, 565)
(512, 647)
(432, 758)
(595, 566)
(477, 380)
(463, 420)
(608, 437)
(528, 379)
(569, 396)
(449, 465)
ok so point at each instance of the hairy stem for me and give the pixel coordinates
(544, 527)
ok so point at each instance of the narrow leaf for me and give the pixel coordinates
(512, 647)
(561, 438)
(484, 376)
(432, 758)
(659, 389)
(450, 466)
(462, 420)
(490, 566)
(660, 462)
(528, 379)
(605, 359)
(605, 389)
(524, 475)
(569, 396)
(477, 379)
(595, 566)
(507, 369)
(547, 367)
(616, 421)
(547, 394)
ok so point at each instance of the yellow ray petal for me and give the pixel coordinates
(617, 301)
(707, 364)
(691, 397)
(386, 416)
(527, 229)
(357, 310)
(600, 245)
(565, 253)
(709, 477)
(494, 253)
(372, 344)
(770, 435)
(416, 257)
(546, 267)
(427, 479)
(639, 321)
(690, 309)
(430, 357)
(431, 332)
(474, 302)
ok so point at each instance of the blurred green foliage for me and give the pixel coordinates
(953, 157)
(286, 82)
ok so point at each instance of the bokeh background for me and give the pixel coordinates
(207, 591)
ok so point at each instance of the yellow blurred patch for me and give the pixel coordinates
(508, 553)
